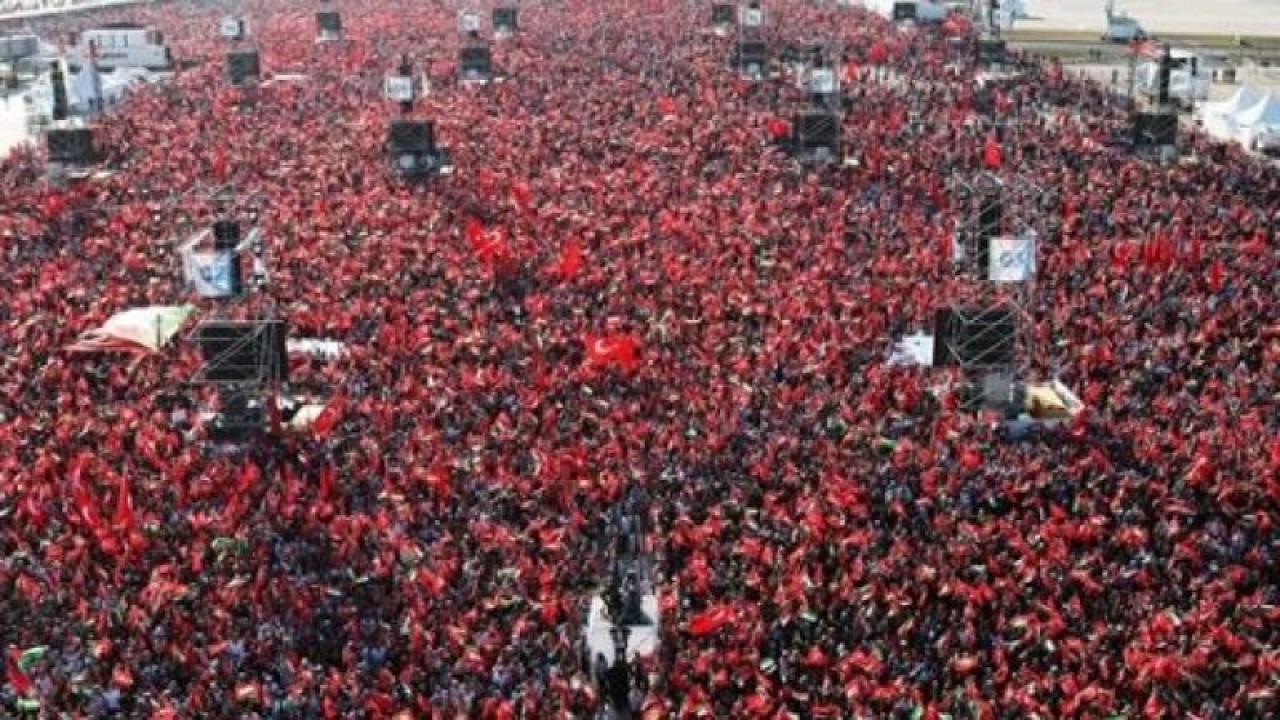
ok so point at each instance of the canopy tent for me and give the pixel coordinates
(137, 330)
(1244, 97)
(1249, 117)
(1264, 112)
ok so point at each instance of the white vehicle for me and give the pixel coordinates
(123, 45)
(1121, 27)
(913, 10)
(1189, 79)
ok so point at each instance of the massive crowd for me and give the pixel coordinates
(833, 539)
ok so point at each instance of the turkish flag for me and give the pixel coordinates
(329, 418)
(878, 54)
(570, 261)
(473, 230)
(615, 350)
(992, 156)
(710, 620)
(1216, 275)
(778, 129)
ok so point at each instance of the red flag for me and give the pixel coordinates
(329, 418)
(124, 518)
(326, 481)
(1217, 275)
(616, 350)
(489, 247)
(18, 679)
(570, 261)
(1257, 245)
(815, 657)
(878, 53)
(1165, 253)
(473, 230)
(521, 194)
(667, 105)
(992, 156)
(220, 166)
(778, 128)
(710, 620)
(1195, 250)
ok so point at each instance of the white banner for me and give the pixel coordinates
(398, 88)
(822, 81)
(212, 273)
(232, 28)
(1011, 259)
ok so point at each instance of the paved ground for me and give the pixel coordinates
(1264, 79)
(1235, 17)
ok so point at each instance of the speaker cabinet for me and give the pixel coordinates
(475, 60)
(72, 146)
(411, 136)
(975, 337)
(243, 66)
(244, 352)
(751, 53)
(329, 22)
(504, 18)
(815, 130)
(992, 52)
(1155, 129)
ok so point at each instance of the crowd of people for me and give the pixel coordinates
(627, 287)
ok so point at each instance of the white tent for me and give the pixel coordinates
(1266, 111)
(1244, 97)
(1258, 126)
(1249, 117)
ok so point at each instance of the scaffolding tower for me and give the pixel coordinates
(987, 334)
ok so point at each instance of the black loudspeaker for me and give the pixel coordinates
(475, 59)
(226, 234)
(241, 418)
(968, 337)
(73, 146)
(1163, 75)
(58, 81)
(504, 18)
(1155, 129)
(751, 52)
(991, 52)
(411, 136)
(815, 130)
(242, 66)
(243, 351)
(329, 22)
(722, 15)
(904, 11)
